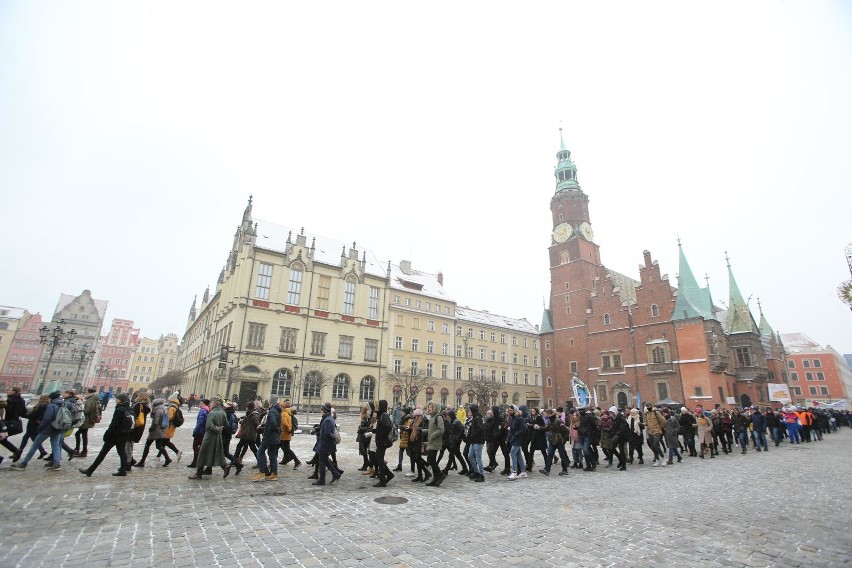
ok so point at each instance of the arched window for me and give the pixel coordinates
(655, 311)
(516, 398)
(622, 400)
(459, 394)
(607, 319)
(282, 381)
(445, 393)
(248, 369)
(549, 403)
(368, 388)
(658, 355)
(745, 400)
(550, 381)
(294, 288)
(349, 296)
(341, 387)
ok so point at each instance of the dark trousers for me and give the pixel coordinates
(432, 460)
(324, 460)
(196, 447)
(9, 445)
(504, 447)
(288, 453)
(491, 449)
(242, 447)
(226, 446)
(455, 454)
(157, 444)
(619, 450)
(380, 467)
(120, 447)
(417, 459)
(81, 435)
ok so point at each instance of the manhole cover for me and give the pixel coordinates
(390, 500)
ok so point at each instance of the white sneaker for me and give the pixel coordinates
(409, 474)
(512, 476)
(656, 463)
(523, 474)
(180, 455)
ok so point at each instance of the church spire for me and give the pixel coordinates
(739, 319)
(692, 300)
(246, 224)
(566, 171)
(765, 328)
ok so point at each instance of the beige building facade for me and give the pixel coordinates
(311, 319)
(143, 365)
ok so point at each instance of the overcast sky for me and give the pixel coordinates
(132, 134)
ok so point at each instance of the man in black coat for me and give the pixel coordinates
(116, 436)
(15, 410)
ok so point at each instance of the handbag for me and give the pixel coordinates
(14, 427)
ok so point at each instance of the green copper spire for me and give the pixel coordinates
(765, 328)
(739, 318)
(692, 300)
(566, 171)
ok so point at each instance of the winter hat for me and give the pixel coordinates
(122, 397)
(515, 408)
(326, 407)
(54, 395)
(418, 412)
(613, 409)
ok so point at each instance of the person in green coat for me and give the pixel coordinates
(211, 452)
(435, 441)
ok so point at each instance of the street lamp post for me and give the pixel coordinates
(53, 338)
(102, 372)
(83, 354)
(296, 387)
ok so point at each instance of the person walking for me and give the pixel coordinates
(267, 451)
(156, 432)
(671, 431)
(435, 442)
(247, 434)
(326, 444)
(211, 451)
(517, 426)
(384, 424)
(654, 423)
(92, 416)
(198, 431)
(116, 436)
(46, 431)
(34, 418)
(16, 408)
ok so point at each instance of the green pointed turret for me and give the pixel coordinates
(692, 300)
(739, 318)
(546, 323)
(566, 171)
(765, 328)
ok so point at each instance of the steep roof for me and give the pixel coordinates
(739, 318)
(405, 278)
(546, 322)
(487, 318)
(692, 299)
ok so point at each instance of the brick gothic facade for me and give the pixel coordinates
(622, 337)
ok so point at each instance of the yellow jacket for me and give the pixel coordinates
(286, 425)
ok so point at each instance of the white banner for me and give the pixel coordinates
(779, 392)
(839, 405)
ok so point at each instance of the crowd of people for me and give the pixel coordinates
(474, 443)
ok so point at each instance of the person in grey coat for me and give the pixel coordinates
(211, 452)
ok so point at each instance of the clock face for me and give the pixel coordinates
(562, 232)
(586, 231)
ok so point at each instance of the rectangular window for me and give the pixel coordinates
(493, 354)
(502, 356)
(469, 353)
(806, 363)
(796, 390)
(415, 323)
(458, 330)
(515, 358)
(264, 281)
(813, 390)
(662, 391)
(535, 343)
(444, 371)
(445, 327)
(288, 340)
(415, 367)
(820, 376)
(257, 335)
(515, 377)
(373, 312)
(417, 304)
(573, 366)
(397, 366)
(526, 359)
(503, 338)
(430, 347)
(602, 391)
(791, 364)
(349, 299)
(535, 360)
(698, 391)
(429, 369)
(823, 391)
(396, 299)
(794, 376)
(445, 348)
(345, 349)
(526, 344)
(502, 376)
(514, 340)
(470, 372)
(482, 353)
(809, 376)
(323, 292)
(459, 350)
(470, 333)
(430, 326)
(318, 343)
(400, 320)
(744, 357)
(458, 372)
(415, 345)
(371, 350)
(294, 288)
(398, 342)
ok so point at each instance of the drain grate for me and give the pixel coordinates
(390, 500)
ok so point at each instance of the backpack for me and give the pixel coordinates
(177, 419)
(235, 424)
(79, 417)
(336, 434)
(295, 422)
(128, 423)
(63, 419)
(393, 435)
(164, 420)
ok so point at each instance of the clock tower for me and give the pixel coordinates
(575, 268)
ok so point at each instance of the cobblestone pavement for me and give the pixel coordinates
(787, 507)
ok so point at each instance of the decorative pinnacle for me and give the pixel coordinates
(727, 260)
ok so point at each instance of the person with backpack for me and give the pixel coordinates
(326, 445)
(212, 449)
(140, 408)
(156, 432)
(91, 416)
(116, 436)
(56, 420)
(270, 440)
(175, 414)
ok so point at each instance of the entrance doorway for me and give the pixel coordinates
(248, 392)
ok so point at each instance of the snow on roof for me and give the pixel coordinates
(273, 237)
(799, 342)
(12, 312)
(65, 299)
(416, 281)
(487, 318)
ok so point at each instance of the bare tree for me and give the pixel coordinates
(316, 378)
(410, 383)
(171, 380)
(484, 389)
